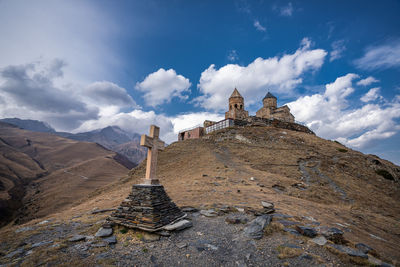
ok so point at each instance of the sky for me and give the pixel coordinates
(83, 65)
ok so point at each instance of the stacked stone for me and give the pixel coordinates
(147, 207)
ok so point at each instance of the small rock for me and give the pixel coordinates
(212, 247)
(290, 230)
(44, 222)
(104, 232)
(320, 240)
(255, 228)
(306, 231)
(183, 224)
(209, 213)
(204, 175)
(364, 248)
(189, 209)
(81, 247)
(236, 219)
(99, 245)
(306, 257)
(252, 179)
(148, 237)
(181, 245)
(267, 205)
(77, 238)
(350, 251)
(113, 240)
(42, 243)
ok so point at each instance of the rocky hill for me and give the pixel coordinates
(31, 125)
(311, 181)
(41, 173)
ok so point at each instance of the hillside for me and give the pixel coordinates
(304, 175)
(310, 180)
(41, 173)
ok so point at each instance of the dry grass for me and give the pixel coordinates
(286, 252)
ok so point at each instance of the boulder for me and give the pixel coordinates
(255, 229)
(350, 251)
(110, 240)
(306, 231)
(364, 248)
(77, 238)
(320, 240)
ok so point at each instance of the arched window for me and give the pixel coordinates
(235, 105)
(241, 106)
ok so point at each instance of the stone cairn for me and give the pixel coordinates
(148, 206)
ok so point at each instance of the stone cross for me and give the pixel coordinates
(153, 143)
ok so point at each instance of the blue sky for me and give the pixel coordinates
(82, 65)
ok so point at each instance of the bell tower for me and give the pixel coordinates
(236, 107)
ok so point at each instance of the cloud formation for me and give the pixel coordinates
(280, 75)
(287, 10)
(338, 48)
(371, 95)
(380, 57)
(108, 94)
(259, 27)
(367, 81)
(161, 86)
(331, 117)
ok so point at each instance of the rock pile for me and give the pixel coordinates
(148, 208)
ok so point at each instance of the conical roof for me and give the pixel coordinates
(269, 95)
(236, 94)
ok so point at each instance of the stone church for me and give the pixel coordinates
(268, 111)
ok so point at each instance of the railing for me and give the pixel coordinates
(220, 125)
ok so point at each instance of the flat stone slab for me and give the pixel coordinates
(350, 251)
(320, 240)
(77, 238)
(306, 231)
(180, 225)
(110, 240)
(39, 244)
(104, 232)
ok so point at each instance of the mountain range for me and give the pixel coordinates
(111, 137)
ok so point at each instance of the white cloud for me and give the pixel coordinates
(367, 81)
(371, 95)
(259, 27)
(79, 32)
(161, 86)
(338, 48)
(233, 55)
(280, 75)
(38, 90)
(190, 120)
(287, 11)
(330, 116)
(380, 57)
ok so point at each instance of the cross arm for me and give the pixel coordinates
(146, 141)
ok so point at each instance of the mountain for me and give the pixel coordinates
(111, 137)
(115, 139)
(31, 125)
(41, 173)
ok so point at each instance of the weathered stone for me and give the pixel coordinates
(306, 231)
(350, 251)
(77, 238)
(17, 252)
(181, 245)
(180, 225)
(110, 240)
(291, 230)
(267, 205)
(255, 228)
(236, 219)
(104, 232)
(333, 234)
(209, 213)
(364, 248)
(287, 223)
(320, 240)
(23, 229)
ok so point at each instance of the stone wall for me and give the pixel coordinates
(191, 134)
